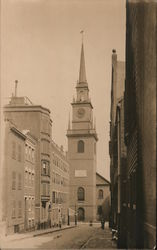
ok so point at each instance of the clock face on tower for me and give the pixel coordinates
(80, 112)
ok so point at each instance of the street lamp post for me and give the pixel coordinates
(68, 218)
(75, 216)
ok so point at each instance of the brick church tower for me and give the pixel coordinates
(82, 140)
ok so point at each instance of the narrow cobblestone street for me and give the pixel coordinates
(81, 237)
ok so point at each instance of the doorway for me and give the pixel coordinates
(81, 214)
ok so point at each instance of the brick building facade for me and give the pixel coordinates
(29, 180)
(59, 185)
(117, 150)
(36, 119)
(13, 176)
(82, 139)
(140, 122)
(102, 198)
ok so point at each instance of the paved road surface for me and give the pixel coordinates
(83, 236)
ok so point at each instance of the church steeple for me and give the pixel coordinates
(82, 73)
(82, 113)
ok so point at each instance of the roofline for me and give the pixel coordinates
(82, 103)
(15, 130)
(83, 135)
(102, 177)
(7, 106)
(31, 137)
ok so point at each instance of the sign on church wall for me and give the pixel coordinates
(80, 173)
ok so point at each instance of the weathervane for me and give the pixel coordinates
(16, 82)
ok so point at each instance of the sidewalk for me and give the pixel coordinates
(51, 230)
(20, 236)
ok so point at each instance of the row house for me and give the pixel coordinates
(117, 148)
(59, 185)
(36, 119)
(45, 178)
(29, 180)
(13, 176)
(18, 210)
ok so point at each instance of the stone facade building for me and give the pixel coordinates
(13, 176)
(36, 119)
(82, 140)
(140, 122)
(59, 185)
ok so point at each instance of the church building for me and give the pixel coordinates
(82, 139)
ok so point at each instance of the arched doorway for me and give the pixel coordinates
(81, 214)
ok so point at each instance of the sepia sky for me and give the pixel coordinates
(41, 46)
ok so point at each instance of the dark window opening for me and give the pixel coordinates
(81, 194)
(80, 146)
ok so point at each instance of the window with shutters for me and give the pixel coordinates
(32, 179)
(26, 151)
(19, 152)
(56, 198)
(29, 179)
(29, 153)
(20, 209)
(26, 175)
(13, 209)
(19, 182)
(45, 168)
(13, 150)
(29, 205)
(13, 180)
(33, 207)
(33, 154)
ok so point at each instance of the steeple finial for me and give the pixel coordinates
(82, 73)
(82, 31)
(16, 82)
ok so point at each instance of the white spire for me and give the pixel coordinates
(82, 73)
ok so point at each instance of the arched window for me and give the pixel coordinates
(80, 194)
(101, 194)
(81, 96)
(80, 146)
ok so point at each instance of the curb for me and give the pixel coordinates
(39, 234)
(53, 231)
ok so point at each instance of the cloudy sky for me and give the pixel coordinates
(41, 45)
